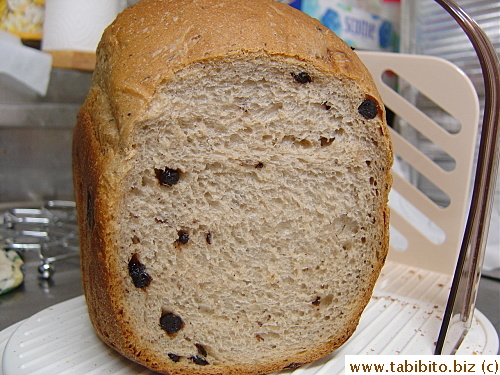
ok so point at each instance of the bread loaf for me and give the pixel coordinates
(231, 172)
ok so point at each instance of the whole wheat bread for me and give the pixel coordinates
(231, 171)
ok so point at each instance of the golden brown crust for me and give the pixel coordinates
(153, 39)
(143, 48)
(93, 211)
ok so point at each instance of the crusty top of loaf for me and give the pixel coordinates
(152, 39)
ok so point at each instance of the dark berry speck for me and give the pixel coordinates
(368, 109)
(174, 357)
(293, 366)
(199, 361)
(137, 272)
(183, 238)
(167, 176)
(171, 323)
(90, 210)
(302, 77)
(201, 350)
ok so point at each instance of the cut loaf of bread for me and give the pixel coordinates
(231, 170)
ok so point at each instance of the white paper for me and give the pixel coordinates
(27, 65)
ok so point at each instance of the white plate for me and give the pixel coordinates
(61, 340)
(4, 337)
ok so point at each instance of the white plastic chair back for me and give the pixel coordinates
(423, 233)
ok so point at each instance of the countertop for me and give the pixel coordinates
(36, 294)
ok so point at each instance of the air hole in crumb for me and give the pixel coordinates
(347, 246)
(326, 141)
(267, 137)
(234, 138)
(305, 143)
(326, 301)
(296, 142)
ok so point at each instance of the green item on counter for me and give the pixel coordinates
(11, 275)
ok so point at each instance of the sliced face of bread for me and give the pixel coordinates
(233, 220)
